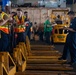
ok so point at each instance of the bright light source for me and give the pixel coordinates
(53, 2)
(8, 3)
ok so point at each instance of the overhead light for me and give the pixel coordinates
(8, 3)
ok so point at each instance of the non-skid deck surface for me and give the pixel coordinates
(44, 61)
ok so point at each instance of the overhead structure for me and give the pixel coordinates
(74, 5)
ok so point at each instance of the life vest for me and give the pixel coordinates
(20, 24)
(5, 27)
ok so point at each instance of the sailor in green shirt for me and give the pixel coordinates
(47, 30)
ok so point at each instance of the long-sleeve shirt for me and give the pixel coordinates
(47, 26)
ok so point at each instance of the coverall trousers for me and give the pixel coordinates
(4, 42)
(20, 37)
(70, 46)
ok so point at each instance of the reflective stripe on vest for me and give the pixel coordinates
(4, 28)
(20, 27)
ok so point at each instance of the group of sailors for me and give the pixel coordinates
(14, 27)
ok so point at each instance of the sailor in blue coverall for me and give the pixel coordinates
(70, 45)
